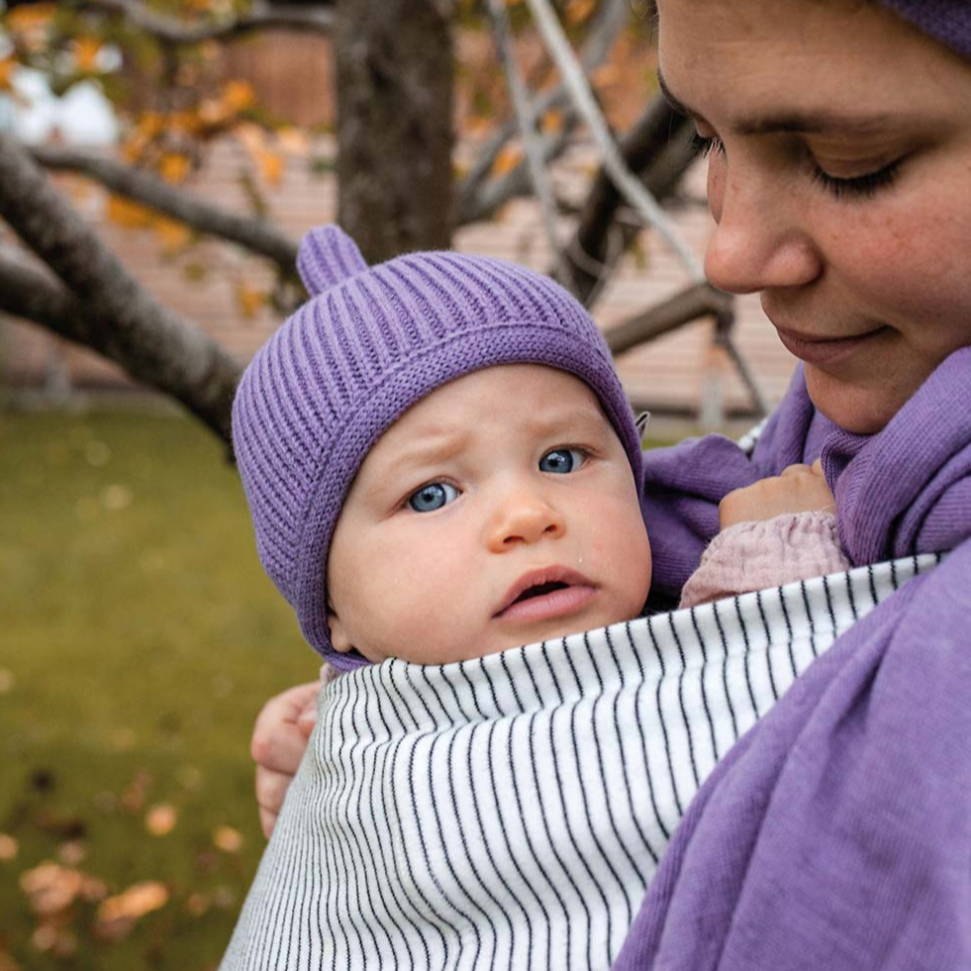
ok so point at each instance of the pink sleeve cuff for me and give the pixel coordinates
(764, 554)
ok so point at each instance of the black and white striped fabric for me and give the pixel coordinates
(508, 812)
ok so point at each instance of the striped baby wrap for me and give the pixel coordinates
(508, 812)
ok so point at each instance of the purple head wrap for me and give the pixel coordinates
(948, 21)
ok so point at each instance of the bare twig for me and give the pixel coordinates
(655, 146)
(699, 300)
(476, 197)
(526, 120)
(148, 340)
(627, 183)
(262, 15)
(254, 234)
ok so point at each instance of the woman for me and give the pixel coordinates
(836, 834)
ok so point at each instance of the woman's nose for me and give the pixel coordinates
(759, 242)
(523, 517)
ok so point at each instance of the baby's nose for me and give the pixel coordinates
(524, 517)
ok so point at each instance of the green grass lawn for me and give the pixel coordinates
(138, 638)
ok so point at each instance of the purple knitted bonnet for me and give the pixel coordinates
(369, 344)
(949, 21)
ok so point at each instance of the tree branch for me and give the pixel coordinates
(655, 146)
(699, 300)
(171, 30)
(151, 342)
(475, 197)
(253, 234)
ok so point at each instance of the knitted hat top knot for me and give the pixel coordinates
(327, 255)
(370, 343)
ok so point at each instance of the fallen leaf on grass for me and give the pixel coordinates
(56, 939)
(117, 915)
(8, 851)
(160, 820)
(227, 839)
(52, 888)
(72, 852)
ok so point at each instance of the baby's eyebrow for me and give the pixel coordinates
(798, 122)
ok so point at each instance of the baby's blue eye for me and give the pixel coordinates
(561, 461)
(433, 496)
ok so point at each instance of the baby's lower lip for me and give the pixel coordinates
(556, 603)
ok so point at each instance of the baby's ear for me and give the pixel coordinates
(339, 638)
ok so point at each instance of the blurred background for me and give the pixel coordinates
(159, 160)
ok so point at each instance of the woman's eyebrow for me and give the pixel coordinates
(669, 97)
(798, 122)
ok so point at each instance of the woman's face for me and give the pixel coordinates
(840, 180)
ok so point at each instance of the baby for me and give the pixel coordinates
(441, 464)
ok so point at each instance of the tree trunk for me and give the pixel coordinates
(394, 64)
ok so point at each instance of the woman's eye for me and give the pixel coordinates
(560, 461)
(433, 496)
(860, 185)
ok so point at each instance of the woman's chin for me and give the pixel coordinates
(862, 410)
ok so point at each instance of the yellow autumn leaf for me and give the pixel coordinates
(252, 136)
(130, 215)
(173, 235)
(294, 141)
(213, 112)
(271, 166)
(31, 16)
(578, 11)
(150, 124)
(250, 301)
(507, 160)
(238, 95)
(552, 122)
(160, 820)
(7, 66)
(174, 166)
(185, 121)
(86, 51)
(605, 75)
(227, 839)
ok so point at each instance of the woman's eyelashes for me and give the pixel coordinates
(864, 185)
(860, 186)
(702, 146)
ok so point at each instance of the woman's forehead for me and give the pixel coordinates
(748, 58)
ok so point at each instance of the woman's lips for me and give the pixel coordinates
(825, 350)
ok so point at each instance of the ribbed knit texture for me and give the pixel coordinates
(368, 345)
(949, 21)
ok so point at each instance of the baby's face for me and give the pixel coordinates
(500, 510)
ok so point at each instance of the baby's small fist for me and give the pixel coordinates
(800, 488)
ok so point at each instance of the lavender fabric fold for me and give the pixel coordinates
(837, 833)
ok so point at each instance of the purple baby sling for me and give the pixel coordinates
(836, 834)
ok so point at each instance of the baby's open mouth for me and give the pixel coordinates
(540, 590)
(546, 592)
